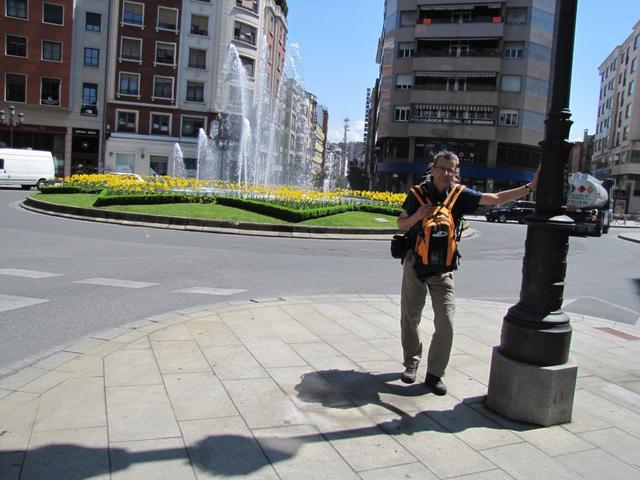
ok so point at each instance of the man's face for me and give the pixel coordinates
(443, 173)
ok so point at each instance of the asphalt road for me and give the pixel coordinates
(70, 278)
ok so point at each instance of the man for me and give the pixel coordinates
(415, 285)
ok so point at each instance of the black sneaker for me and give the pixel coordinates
(409, 375)
(435, 384)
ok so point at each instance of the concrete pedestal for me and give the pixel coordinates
(531, 393)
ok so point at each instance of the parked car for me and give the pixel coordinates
(25, 167)
(127, 176)
(514, 211)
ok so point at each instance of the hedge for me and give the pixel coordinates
(283, 213)
(105, 199)
(62, 189)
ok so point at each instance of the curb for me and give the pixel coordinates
(635, 238)
(210, 226)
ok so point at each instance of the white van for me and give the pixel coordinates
(27, 168)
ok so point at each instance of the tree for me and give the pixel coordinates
(356, 177)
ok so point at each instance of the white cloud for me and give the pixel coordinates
(355, 134)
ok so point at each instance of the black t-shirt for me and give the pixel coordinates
(467, 202)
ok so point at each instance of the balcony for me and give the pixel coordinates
(470, 64)
(89, 110)
(455, 30)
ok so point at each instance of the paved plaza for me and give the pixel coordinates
(308, 387)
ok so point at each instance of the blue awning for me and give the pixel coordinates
(496, 173)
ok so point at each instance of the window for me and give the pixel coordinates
(199, 25)
(52, 51)
(17, 8)
(248, 4)
(127, 121)
(513, 49)
(52, 13)
(511, 83)
(89, 94)
(129, 84)
(249, 65)
(625, 133)
(131, 49)
(636, 42)
(125, 162)
(408, 18)
(245, 33)
(632, 85)
(195, 92)
(167, 19)
(401, 114)
(163, 87)
(92, 22)
(627, 112)
(404, 81)
(197, 58)
(191, 125)
(508, 118)
(160, 125)
(517, 16)
(91, 57)
(166, 53)
(15, 88)
(132, 13)
(406, 49)
(16, 46)
(158, 164)
(633, 65)
(89, 99)
(50, 91)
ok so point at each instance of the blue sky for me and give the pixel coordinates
(338, 41)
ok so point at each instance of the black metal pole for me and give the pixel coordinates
(536, 330)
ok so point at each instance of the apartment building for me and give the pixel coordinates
(616, 153)
(36, 47)
(85, 124)
(467, 76)
(163, 77)
(113, 85)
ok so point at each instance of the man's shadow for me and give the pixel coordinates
(232, 455)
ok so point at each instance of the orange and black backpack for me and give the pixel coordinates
(436, 242)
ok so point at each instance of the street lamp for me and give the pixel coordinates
(532, 378)
(218, 135)
(12, 121)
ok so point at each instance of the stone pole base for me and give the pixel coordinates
(531, 393)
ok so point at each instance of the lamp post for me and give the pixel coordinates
(13, 120)
(532, 378)
(217, 134)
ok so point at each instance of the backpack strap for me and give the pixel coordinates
(415, 190)
(451, 199)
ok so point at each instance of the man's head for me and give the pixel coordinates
(445, 166)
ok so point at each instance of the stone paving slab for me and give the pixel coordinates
(303, 388)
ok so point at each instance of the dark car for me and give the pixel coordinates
(514, 211)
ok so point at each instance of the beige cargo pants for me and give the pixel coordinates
(441, 288)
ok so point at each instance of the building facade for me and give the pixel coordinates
(112, 85)
(37, 64)
(471, 77)
(164, 83)
(616, 153)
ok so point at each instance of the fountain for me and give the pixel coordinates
(249, 143)
(177, 161)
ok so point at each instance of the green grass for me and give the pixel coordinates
(354, 219)
(209, 211)
(221, 212)
(71, 199)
